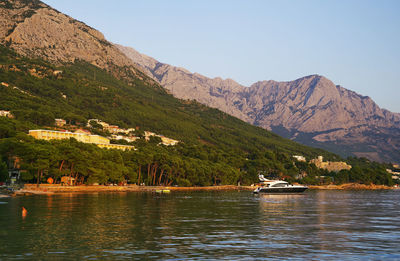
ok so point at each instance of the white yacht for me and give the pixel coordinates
(277, 186)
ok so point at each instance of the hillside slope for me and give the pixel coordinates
(311, 110)
(83, 91)
(214, 147)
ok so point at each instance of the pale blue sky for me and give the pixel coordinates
(355, 43)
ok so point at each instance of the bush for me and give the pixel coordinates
(27, 176)
(183, 182)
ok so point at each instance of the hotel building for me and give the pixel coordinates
(100, 141)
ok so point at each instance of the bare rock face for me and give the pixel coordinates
(34, 29)
(216, 93)
(311, 110)
(314, 104)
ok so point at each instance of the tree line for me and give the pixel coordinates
(154, 164)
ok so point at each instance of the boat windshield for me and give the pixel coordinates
(279, 185)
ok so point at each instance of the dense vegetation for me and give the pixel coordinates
(215, 148)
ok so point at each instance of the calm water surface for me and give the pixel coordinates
(339, 225)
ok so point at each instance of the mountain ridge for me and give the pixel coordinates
(311, 105)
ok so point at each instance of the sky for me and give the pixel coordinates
(354, 43)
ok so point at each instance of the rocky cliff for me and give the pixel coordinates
(311, 110)
(33, 28)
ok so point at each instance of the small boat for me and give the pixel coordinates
(163, 191)
(277, 186)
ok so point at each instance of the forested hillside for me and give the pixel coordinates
(215, 148)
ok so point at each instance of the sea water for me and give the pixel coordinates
(340, 225)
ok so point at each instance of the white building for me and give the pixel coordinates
(299, 158)
(6, 114)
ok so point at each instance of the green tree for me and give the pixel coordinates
(3, 172)
(7, 128)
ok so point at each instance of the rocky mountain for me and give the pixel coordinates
(216, 93)
(34, 29)
(311, 110)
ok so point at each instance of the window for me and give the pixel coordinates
(279, 185)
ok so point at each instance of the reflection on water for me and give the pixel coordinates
(202, 225)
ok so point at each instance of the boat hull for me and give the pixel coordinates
(281, 190)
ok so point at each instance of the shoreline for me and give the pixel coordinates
(46, 189)
(58, 189)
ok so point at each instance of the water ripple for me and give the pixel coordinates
(340, 225)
